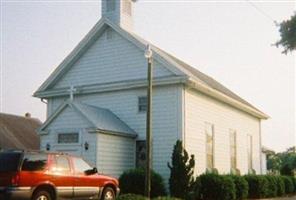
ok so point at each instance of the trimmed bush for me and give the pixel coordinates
(166, 198)
(289, 185)
(294, 181)
(215, 187)
(258, 186)
(133, 181)
(280, 185)
(272, 186)
(241, 187)
(131, 197)
(195, 192)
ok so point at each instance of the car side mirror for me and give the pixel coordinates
(91, 171)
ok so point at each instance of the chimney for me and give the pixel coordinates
(28, 115)
(119, 12)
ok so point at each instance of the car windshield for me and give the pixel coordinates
(9, 161)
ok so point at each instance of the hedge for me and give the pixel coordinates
(258, 186)
(280, 185)
(241, 187)
(289, 185)
(294, 181)
(272, 186)
(133, 181)
(215, 187)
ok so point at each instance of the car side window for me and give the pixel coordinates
(80, 166)
(62, 164)
(34, 162)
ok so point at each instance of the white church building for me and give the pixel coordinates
(96, 105)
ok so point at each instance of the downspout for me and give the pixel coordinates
(183, 116)
(260, 147)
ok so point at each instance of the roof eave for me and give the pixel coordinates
(193, 83)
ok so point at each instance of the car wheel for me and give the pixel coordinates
(108, 194)
(42, 195)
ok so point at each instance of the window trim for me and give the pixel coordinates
(250, 151)
(62, 131)
(233, 131)
(213, 144)
(142, 111)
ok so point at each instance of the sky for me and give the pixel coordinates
(232, 41)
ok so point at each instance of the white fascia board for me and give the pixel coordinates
(115, 86)
(193, 83)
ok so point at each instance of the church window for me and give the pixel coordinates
(142, 104)
(209, 130)
(233, 149)
(141, 154)
(110, 5)
(250, 152)
(68, 138)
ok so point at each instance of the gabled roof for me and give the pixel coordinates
(173, 64)
(101, 119)
(17, 132)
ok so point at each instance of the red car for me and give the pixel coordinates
(51, 176)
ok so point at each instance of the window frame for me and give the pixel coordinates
(213, 145)
(67, 131)
(250, 151)
(141, 104)
(233, 146)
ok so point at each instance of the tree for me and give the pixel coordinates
(288, 34)
(283, 162)
(182, 169)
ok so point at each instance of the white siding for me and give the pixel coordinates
(110, 60)
(167, 117)
(115, 154)
(71, 121)
(200, 109)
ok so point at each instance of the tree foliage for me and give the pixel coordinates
(182, 169)
(283, 162)
(288, 34)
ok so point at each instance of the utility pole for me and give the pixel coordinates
(148, 55)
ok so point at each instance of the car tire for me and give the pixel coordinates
(108, 194)
(42, 195)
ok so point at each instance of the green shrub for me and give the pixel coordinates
(294, 181)
(195, 191)
(241, 186)
(258, 186)
(131, 197)
(166, 198)
(289, 185)
(272, 186)
(133, 181)
(215, 187)
(182, 169)
(280, 185)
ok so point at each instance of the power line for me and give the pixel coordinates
(262, 12)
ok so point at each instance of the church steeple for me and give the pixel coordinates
(119, 11)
